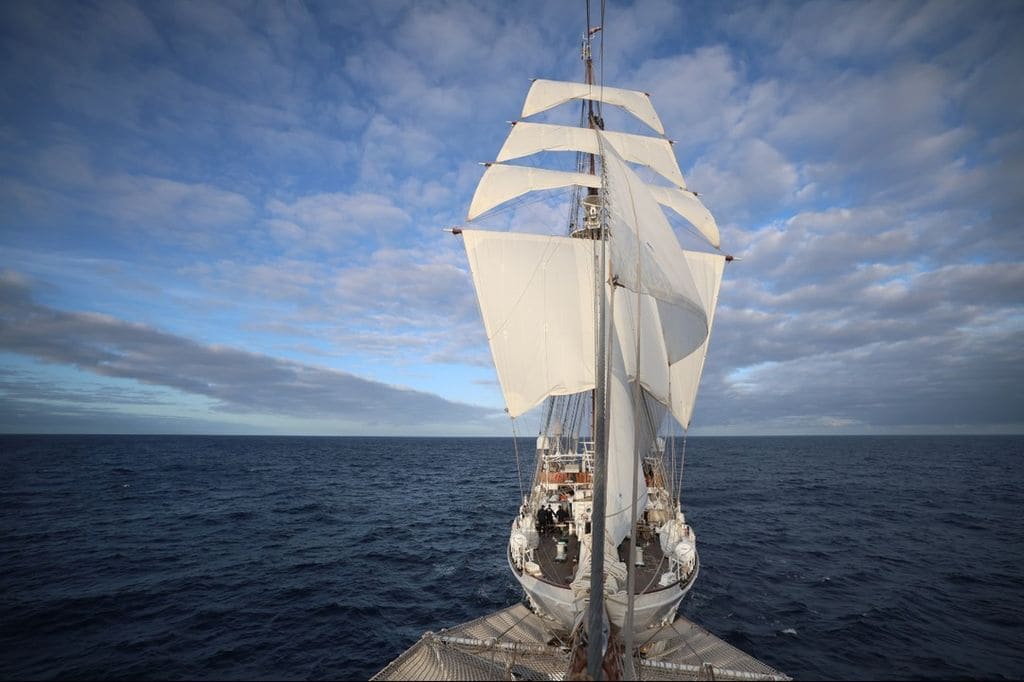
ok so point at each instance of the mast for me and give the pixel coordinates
(596, 618)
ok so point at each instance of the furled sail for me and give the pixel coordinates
(656, 153)
(536, 297)
(546, 94)
(502, 182)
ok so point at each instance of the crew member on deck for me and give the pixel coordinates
(545, 519)
(549, 520)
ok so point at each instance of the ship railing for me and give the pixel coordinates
(568, 461)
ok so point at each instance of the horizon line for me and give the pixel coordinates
(705, 435)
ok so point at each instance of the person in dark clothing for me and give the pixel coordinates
(549, 520)
(545, 520)
(563, 514)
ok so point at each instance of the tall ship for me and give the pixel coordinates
(603, 328)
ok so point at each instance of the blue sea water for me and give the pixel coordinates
(306, 558)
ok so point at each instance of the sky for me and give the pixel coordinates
(221, 217)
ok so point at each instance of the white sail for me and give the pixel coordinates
(687, 205)
(646, 258)
(642, 328)
(684, 376)
(502, 182)
(546, 94)
(622, 447)
(656, 153)
(673, 384)
(536, 298)
(664, 311)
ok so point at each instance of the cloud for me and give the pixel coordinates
(64, 187)
(746, 179)
(690, 85)
(327, 221)
(880, 345)
(407, 304)
(237, 381)
(273, 179)
(391, 149)
(173, 208)
(886, 384)
(412, 305)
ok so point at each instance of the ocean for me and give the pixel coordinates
(168, 557)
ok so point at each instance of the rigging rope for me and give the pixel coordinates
(519, 469)
(601, 77)
(673, 490)
(629, 671)
(682, 465)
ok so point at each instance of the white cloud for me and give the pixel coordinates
(390, 149)
(64, 180)
(691, 85)
(745, 179)
(278, 176)
(330, 220)
(415, 300)
(236, 380)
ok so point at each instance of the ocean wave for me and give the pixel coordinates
(257, 558)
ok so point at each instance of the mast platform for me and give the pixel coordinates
(513, 644)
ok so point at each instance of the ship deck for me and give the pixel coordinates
(562, 572)
(513, 644)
